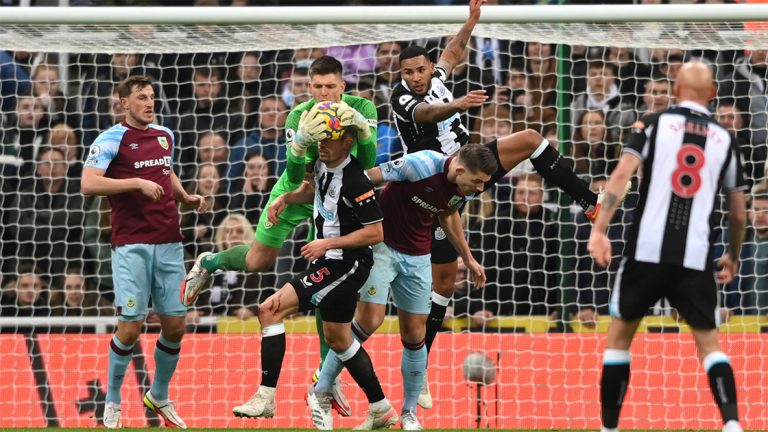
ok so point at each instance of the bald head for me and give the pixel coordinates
(694, 83)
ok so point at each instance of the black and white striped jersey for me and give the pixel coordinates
(687, 158)
(446, 136)
(344, 201)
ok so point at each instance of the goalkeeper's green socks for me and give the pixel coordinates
(230, 259)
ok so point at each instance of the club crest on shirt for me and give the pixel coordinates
(372, 291)
(163, 142)
(332, 192)
(454, 200)
(130, 303)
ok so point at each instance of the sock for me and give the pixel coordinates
(436, 315)
(722, 384)
(166, 359)
(359, 365)
(332, 365)
(272, 353)
(119, 357)
(549, 163)
(413, 365)
(230, 259)
(321, 334)
(613, 385)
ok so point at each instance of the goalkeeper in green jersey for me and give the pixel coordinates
(303, 130)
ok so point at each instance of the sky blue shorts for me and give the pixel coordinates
(141, 271)
(409, 276)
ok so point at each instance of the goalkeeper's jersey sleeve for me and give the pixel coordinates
(364, 151)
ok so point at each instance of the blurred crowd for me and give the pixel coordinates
(228, 111)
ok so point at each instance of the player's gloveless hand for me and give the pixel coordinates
(474, 9)
(727, 269)
(198, 201)
(473, 99)
(274, 210)
(314, 249)
(151, 190)
(599, 248)
(477, 272)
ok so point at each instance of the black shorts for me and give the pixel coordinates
(639, 285)
(441, 248)
(331, 286)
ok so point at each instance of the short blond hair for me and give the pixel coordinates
(248, 232)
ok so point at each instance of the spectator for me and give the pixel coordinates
(594, 283)
(593, 154)
(98, 239)
(14, 80)
(630, 73)
(46, 87)
(267, 139)
(748, 293)
(26, 296)
(209, 112)
(64, 138)
(386, 75)
(462, 304)
(46, 217)
(251, 192)
(233, 293)
(197, 228)
(296, 90)
(211, 148)
(667, 61)
(76, 297)
(541, 87)
(602, 94)
(657, 96)
(728, 114)
(520, 251)
(246, 88)
(24, 136)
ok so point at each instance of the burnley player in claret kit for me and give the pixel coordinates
(131, 164)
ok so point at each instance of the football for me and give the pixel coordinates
(327, 110)
(478, 368)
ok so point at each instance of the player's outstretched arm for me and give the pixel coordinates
(369, 235)
(456, 49)
(451, 223)
(302, 195)
(94, 182)
(436, 112)
(599, 246)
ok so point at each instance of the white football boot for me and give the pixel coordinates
(113, 416)
(261, 404)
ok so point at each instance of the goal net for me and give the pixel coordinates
(226, 89)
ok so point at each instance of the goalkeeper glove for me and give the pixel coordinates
(311, 130)
(350, 117)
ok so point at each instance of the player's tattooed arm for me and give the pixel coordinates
(455, 51)
(615, 190)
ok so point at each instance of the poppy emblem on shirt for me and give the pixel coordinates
(163, 142)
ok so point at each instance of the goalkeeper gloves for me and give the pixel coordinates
(311, 130)
(350, 117)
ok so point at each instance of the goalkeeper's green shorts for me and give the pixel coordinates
(293, 215)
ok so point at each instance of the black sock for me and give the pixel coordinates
(551, 166)
(272, 353)
(723, 386)
(613, 387)
(358, 363)
(434, 323)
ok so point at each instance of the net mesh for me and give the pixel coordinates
(225, 91)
